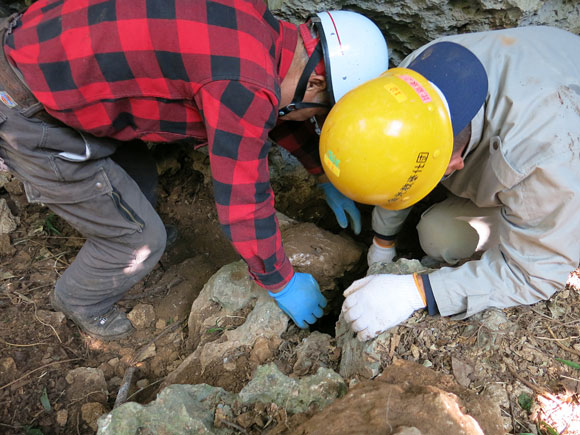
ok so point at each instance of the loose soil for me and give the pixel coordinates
(34, 392)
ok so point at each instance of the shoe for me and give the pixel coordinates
(113, 325)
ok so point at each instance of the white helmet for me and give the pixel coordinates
(354, 50)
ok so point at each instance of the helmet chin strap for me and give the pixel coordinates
(297, 102)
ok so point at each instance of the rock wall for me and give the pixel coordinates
(408, 24)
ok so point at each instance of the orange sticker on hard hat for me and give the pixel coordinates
(396, 92)
(332, 163)
(417, 87)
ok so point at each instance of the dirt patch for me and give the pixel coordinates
(38, 348)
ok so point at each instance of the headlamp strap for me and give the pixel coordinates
(302, 83)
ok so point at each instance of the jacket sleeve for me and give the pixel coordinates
(538, 245)
(238, 117)
(387, 223)
(301, 140)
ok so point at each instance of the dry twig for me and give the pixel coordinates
(551, 319)
(21, 345)
(560, 345)
(528, 384)
(46, 324)
(125, 385)
(145, 387)
(235, 426)
(128, 377)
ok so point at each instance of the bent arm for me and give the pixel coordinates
(538, 247)
(300, 139)
(238, 117)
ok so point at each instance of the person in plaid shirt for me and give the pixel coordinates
(91, 76)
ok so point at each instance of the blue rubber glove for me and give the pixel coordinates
(341, 206)
(301, 299)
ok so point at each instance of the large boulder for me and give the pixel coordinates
(411, 399)
(231, 313)
(204, 409)
(177, 409)
(234, 325)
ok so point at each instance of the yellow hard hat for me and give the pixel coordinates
(388, 142)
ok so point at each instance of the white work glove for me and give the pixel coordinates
(379, 302)
(380, 254)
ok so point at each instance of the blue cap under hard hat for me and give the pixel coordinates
(459, 74)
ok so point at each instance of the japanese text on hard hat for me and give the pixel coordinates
(420, 162)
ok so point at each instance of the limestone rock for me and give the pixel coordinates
(55, 319)
(62, 417)
(8, 370)
(87, 380)
(406, 430)
(5, 178)
(325, 255)
(316, 350)
(262, 350)
(231, 313)
(402, 266)
(492, 326)
(203, 409)
(284, 221)
(408, 399)
(8, 222)
(359, 358)
(497, 393)
(142, 316)
(270, 385)
(90, 413)
(177, 409)
(14, 187)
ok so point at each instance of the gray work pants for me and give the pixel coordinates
(456, 229)
(73, 174)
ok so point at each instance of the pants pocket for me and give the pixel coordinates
(91, 205)
(125, 209)
(75, 146)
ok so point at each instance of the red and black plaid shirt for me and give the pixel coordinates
(163, 70)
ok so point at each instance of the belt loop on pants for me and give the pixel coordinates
(14, 92)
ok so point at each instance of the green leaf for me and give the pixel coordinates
(525, 402)
(48, 225)
(572, 364)
(549, 429)
(44, 401)
(29, 430)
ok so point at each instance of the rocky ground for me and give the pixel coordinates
(55, 379)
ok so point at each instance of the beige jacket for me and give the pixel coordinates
(524, 158)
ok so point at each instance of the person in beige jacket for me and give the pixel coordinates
(513, 181)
